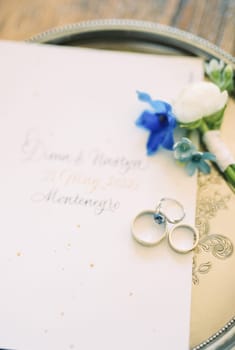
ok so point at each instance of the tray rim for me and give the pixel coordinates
(183, 38)
(193, 44)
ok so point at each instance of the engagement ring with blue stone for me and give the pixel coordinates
(150, 227)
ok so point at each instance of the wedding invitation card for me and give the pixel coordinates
(74, 173)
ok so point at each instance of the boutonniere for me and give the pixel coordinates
(200, 106)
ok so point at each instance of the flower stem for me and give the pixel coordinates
(229, 174)
(203, 128)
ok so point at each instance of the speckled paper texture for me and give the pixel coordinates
(74, 174)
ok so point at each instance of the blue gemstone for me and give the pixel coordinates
(159, 218)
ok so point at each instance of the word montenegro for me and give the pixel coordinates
(54, 196)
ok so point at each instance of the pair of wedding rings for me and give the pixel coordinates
(150, 227)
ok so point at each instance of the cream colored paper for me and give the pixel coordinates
(74, 174)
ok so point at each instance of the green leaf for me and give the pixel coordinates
(215, 76)
(191, 126)
(227, 85)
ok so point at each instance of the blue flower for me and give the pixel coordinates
(183, 149)
(185, 152)
(160, 122)
(198, 161)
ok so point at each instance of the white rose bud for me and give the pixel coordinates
(199, 100)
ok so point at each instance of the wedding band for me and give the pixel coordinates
(148, 239)
(195, 236)
(163, 212)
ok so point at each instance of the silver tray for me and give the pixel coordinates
(152, 38)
